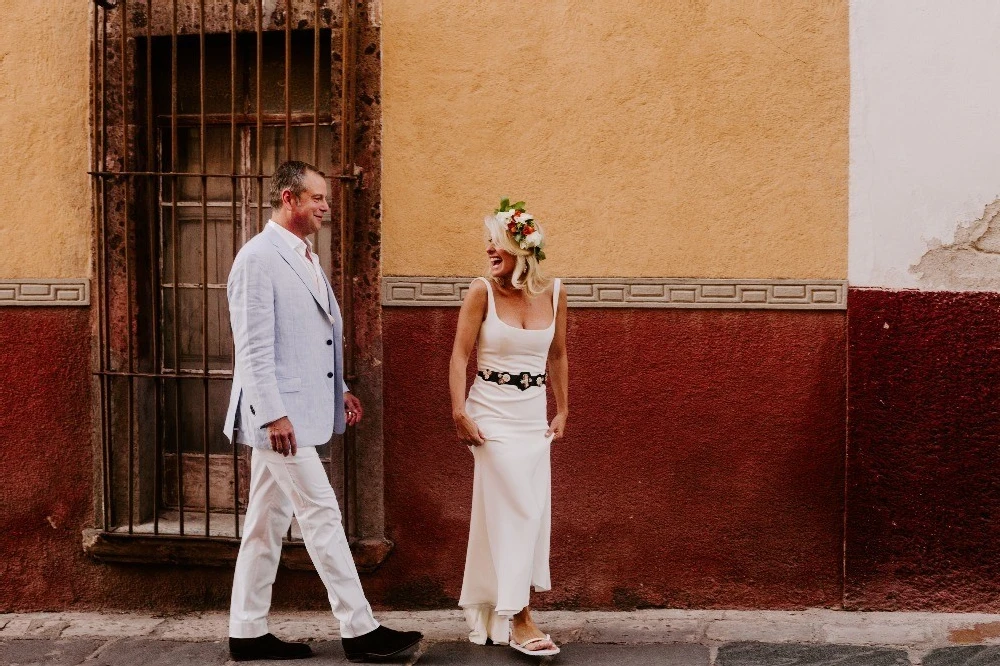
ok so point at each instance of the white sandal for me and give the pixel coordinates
(523, 647)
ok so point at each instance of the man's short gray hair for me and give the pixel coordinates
(290, 176)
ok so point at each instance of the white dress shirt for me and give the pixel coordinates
(299, 246)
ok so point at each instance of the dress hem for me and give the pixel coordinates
(501, 611)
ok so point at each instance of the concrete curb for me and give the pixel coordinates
(916, 633)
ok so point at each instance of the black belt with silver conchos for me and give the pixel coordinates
(522, 380)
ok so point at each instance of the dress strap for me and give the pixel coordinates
(491, 306)
(555, 298)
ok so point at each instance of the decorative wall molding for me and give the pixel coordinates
(45, 291)
(643, 293)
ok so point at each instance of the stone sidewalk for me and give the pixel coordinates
(670, 637)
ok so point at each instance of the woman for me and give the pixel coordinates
(518, 320)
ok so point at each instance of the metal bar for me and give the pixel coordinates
(194, 285)
(315, 124)
(198, 538)
(192, 119)
(101, 199)
(94, 211)
(234, 166)
(346, 227)
(174, 257)
(107, 272)
(288, 79)
(336, 266)
(194, 174)
(153, 263)
(315, 136)
(129, 310)
(204, 255)
(233, 156)
(191, 204)
(260, 138)
(183, 374)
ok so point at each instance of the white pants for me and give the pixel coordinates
(280, 486)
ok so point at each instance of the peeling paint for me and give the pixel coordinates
(976, 634)
(971, 262)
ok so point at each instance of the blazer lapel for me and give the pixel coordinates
(297, 265)
(334, 305)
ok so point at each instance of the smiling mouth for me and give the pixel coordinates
(495, 261)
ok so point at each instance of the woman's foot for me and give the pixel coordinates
(526, 633)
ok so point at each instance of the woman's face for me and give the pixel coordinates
(502, 263)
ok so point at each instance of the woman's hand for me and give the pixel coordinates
(558, 426)
(468, 432)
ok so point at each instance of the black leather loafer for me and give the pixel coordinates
(379, 644)
(267, 646)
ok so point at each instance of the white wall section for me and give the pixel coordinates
(925, 135)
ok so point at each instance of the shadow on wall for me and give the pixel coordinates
(971, 263)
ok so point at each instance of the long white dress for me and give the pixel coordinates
(509, 532)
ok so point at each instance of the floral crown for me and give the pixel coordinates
(521, 226)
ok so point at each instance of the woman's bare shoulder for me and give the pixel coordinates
(476, 294)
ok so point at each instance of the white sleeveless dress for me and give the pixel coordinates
(509, 533)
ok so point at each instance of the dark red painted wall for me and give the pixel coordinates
(923, 512)
(703, 465)
(45, 463)
(703, 468)
(46, 479)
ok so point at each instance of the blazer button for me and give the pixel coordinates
(329, 342)
(329, 374)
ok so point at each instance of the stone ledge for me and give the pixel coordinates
(45, 291)
(695, 293)
(369, 554)
(916, 633)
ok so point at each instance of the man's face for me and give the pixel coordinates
(311, 205)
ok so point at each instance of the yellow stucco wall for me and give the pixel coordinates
(691, 139)
(44, 100)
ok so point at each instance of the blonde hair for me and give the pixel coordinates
(527, 273)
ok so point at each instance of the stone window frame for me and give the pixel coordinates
(119, 27)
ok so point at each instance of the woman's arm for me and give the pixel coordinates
(559, 371)
(470, 318)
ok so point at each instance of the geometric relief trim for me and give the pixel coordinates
(643, 293)
(45, 291)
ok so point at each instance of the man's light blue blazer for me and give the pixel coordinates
(289, 349)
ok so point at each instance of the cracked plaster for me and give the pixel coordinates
(970, 263)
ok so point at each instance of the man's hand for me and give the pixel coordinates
(353, 408)
(282, 436)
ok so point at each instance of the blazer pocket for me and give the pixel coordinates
(289, 384)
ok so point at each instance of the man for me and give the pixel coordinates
(289, 397)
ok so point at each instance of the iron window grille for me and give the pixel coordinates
(194, 105)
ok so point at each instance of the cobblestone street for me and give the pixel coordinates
(681, 638)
